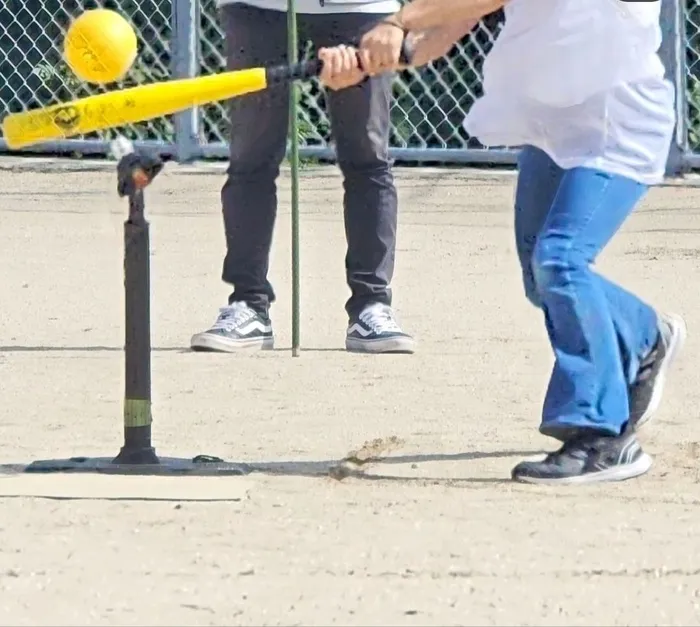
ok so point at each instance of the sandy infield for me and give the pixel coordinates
(429, 533)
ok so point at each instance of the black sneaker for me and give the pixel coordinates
(646, 392)
(375, 330)
(590, 458)
(238, 327)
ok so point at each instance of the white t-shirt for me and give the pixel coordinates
(324, 6)
(581, 80)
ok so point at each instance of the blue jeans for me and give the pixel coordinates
(598, 331)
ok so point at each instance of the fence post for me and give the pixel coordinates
(672, 54)
(185, 64)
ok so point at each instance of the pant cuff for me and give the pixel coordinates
(565, 432)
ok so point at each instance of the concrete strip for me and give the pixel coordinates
(137, 488)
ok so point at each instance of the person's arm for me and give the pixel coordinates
(419, 15)
(433, 43)
(380, 47)
(341, 64)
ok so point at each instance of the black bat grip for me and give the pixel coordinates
(293, 72)
(310, 69)
(408, 49)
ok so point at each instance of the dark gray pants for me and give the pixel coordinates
(259, 124)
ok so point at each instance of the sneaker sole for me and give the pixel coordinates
(617, 473)
(402, 345)
(211, 343)
(679, 333)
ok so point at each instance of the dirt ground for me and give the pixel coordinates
(431, 533)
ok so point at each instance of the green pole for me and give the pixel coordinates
(293, 52)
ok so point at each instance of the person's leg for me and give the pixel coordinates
(645, 369)
(588, 387)
(538, 181)
(360, 124)
(258, 131)
(586, 404)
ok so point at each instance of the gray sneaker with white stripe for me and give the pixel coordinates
(237, 327)
(648, 388)
(588, 458)
(375, 330)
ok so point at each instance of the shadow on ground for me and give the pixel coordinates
(350, 467)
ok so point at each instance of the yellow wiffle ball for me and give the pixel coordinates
(100, 46)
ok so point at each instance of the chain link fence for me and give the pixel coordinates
(428, 108)
(179, 38)
(34, 74)
(692, 65)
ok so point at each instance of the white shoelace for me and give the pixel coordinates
(233, 316)
(380, 319)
